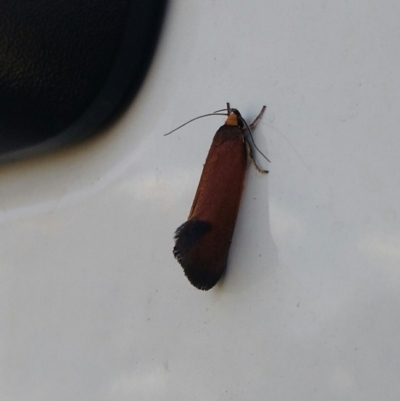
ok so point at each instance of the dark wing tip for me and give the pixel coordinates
(201, 277)
(187, 237)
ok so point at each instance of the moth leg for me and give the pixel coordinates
(258, 118)
(251, 157)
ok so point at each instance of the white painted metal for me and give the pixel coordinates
(93, 305)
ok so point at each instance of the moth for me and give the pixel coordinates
(202, 242)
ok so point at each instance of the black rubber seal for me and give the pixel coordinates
(67, 67)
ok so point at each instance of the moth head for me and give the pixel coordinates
(235, 118)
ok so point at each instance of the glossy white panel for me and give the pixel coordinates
(94, 306)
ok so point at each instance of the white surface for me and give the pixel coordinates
(93, 304)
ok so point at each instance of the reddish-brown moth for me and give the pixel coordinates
(202, 242)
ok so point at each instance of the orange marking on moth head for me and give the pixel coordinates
(232, 119)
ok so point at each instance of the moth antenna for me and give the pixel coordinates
(257, 149)
(218, 111)
(193, 119)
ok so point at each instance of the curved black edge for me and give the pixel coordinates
(116, 94)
